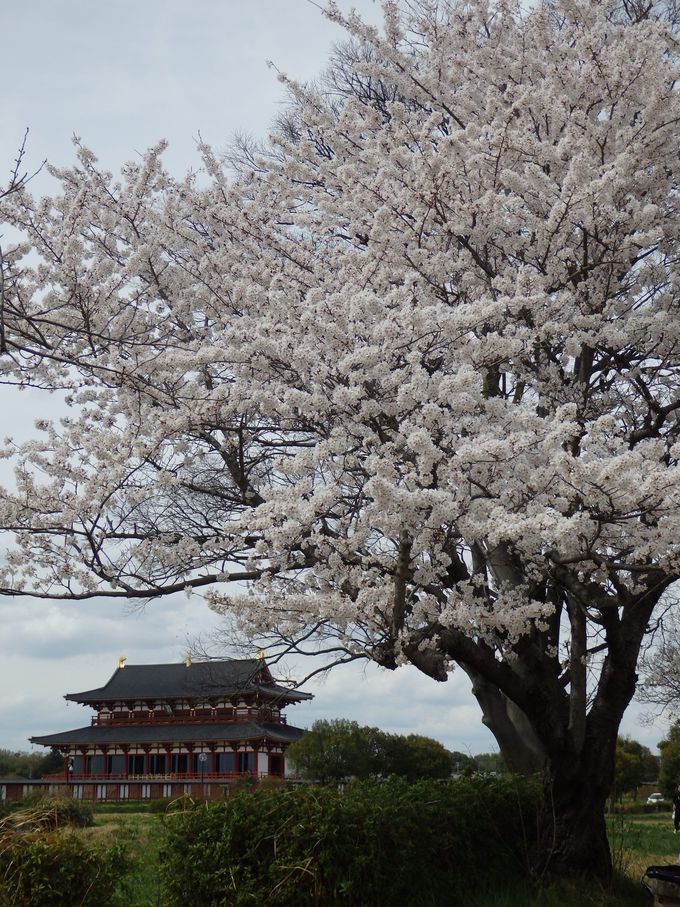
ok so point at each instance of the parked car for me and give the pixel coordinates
(655, 798)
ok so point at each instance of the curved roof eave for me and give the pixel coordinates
(171, 733)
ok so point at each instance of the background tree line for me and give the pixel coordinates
(635, 764)
(334, 750)
(29, 765)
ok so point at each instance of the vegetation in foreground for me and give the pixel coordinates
(46, 862)
(380, 843)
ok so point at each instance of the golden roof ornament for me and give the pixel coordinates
(260, 654)
(187, 660)
(121, 661)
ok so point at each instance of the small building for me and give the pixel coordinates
(170, 729)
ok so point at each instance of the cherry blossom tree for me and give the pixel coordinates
(411, 374)
(17, 181)
(660, 663)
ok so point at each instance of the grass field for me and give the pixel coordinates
(142, 831)
(637, 842)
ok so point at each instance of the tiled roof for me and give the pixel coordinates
(173, 733)
(201, 679)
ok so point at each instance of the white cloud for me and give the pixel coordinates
(48, 649)
(403, 702)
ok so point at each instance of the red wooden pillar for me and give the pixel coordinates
(213, 760)
(146, 760)
(256, 759)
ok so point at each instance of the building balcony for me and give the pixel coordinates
(151, 778)
(251, 715)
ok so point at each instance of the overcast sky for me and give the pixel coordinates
(122, 76)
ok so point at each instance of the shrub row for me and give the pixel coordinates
(378, 843)
(59, 868)
(641, 808)
(44, 863)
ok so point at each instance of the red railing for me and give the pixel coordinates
(195, 777)
(188, 719)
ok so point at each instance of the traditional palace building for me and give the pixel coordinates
(164, 730)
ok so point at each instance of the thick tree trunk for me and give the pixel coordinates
(572, 835)
(577, 777)
(538, 711)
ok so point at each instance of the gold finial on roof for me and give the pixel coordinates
(121, 661)
(187, 660)
(260, 654)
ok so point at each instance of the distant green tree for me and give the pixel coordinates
(337, 749)
(669, 772)
(334, 750)
(635, 764)
(53, 762)
(414, 757)
(628, 773)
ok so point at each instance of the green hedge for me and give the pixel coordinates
(380, 843)
(45, 863)
(641, 808)
(58, 869)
